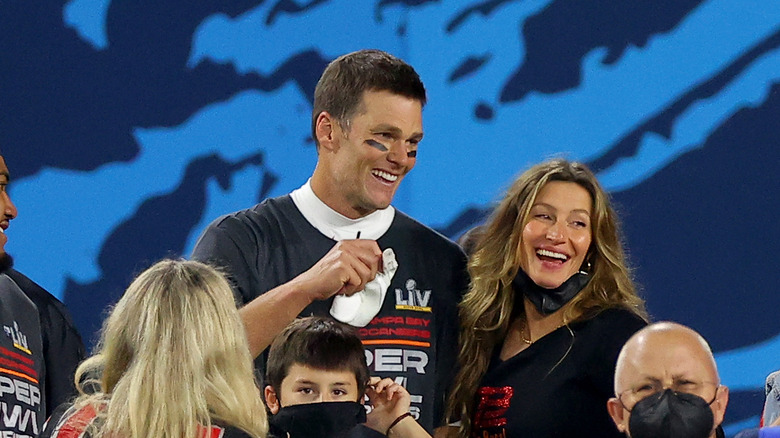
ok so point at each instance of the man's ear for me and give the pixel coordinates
(719, 405)
(271, 399)
(325, 129)
(618, 414)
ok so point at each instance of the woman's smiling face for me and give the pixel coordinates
(557, 234)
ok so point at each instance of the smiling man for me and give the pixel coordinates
(39, 346)
(336, 246)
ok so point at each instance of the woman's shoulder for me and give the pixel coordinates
(613, 316)
(615, 322)
(620, 315)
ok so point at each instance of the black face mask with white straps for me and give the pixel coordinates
(670, 414)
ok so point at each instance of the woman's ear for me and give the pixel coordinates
(587, 264)
(271, 399)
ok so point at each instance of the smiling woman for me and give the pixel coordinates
(550, 305)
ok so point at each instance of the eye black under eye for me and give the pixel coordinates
(376, 145)
(411, 154)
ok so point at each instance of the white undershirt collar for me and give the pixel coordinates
(335, 225)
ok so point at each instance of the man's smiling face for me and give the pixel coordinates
(368, 159)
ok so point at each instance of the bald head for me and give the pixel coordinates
(667, 355)
(665, 349)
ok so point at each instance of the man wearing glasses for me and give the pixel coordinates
(667, 385)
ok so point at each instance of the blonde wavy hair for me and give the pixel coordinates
(489, 306)
(173, 356)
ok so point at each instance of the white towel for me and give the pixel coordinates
(361, 307)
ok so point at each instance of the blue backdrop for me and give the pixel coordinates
(128, 125)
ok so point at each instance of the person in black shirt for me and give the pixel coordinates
(336, 246)
(667, 385)
(317, 379)
(39, 346)
(550, 305)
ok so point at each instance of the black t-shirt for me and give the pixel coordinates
(39, 352)
(413, 339)
(558, 386)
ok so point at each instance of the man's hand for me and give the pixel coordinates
(345, 269)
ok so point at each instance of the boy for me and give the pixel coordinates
(317, 377)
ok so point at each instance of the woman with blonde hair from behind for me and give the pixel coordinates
(173, 362)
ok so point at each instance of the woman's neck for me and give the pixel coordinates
(525, 330)
(538, 325)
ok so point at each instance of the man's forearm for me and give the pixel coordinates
(267, 315)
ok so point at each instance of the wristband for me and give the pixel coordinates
(397, 420)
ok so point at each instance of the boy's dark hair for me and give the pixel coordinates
(320, 343)
(341, 86)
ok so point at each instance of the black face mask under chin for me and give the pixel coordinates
(671, 414)
(317, 420)
(547, 301)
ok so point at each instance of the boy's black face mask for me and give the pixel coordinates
(317, 420)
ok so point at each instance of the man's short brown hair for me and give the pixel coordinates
(341, 86)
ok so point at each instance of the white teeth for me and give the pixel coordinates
(384, 175)
(555, 255)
